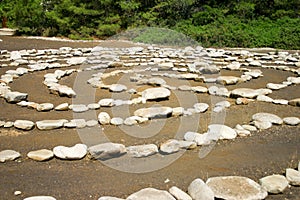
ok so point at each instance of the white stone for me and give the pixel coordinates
(15, 97)
(15, 55)
(104, 118)
(24, 124)
(236, 188)
(187, 144)
(106, 102)
(154, 112)
(151, 194)
(254, 73)
(44, 107)
(40, 198)
(244, 92)
(75, 152)
(109, 198)
(274, 184)
(267, 117)
(292, 121)
(91, 123)
(262, 125)
(264, 91)
(198, 190)
(76, 60)
(156, 81)
(156, 93)
(255, 63)
(117, 88)
(170, 146)
(93, 106)
(142, 150)
(214, 90)
(243, 101)
(199, 89)
(79, 123)
(228, 80)
(185, 88)
(209, 69)
(50, 124)
(221, 131)
(117, 121)
(40, 155)
(249, 127)
(62, 107)
(293, 176)
(264, 98)
(64, 90)
(79, 108)
(178, 111)
(165, 66)
(294, 80)
(274, 86)
(107, 151)
(179, 194)
(130, 121)
(7, 155)
(201, 107)
(281, 101)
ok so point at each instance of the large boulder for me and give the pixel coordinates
(236, 188)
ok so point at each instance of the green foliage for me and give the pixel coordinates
(219, 23)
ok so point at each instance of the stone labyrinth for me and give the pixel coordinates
(141, 87)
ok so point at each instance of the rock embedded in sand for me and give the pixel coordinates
(179, 194)
(140, 151)
(293, 176)
(201, 107)
(292, 121)
(40, 155)
(15, 97)
(40, 198)
(107, 151)
(79, 108)
(151, 193)
(7, 155)
(222, 131)
(244, 92)
(236, 188)
(295, 102)
(44, 107)
(170, 146)
(267, 117)
(117, 88)
(50, 124)
(274, 184)
(117, 121)
(75, 152)
(154, 112)
(104, 118)
(109, 198)
(156, 93)
(62, 107)
(24, 124)
(198, 190)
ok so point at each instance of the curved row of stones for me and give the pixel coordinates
(221, 187)
(160, 57)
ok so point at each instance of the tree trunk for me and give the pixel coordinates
(4, 22)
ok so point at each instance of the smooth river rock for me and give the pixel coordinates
(293, 176)
(222, 131)
(24, 124)
(274, 184)
(267, 117)
(179, 194)
(75, 152)
(7, 155)
(40, 155)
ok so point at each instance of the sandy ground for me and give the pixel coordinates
(264, 153)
